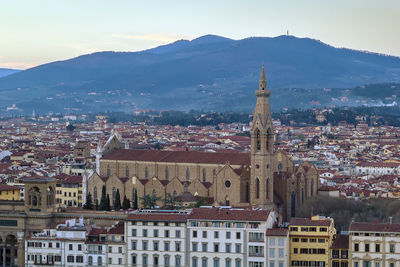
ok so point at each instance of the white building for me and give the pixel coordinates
(156, 238)
(374, 244)
(63, 246)
(227, 237)
(277, 240)
(377, 169)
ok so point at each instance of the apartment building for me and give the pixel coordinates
(374, 244)
(340, 251)
(277, 240)
(114, 239)
(62, 246)
(310, 241)
(227, 237)
(156, 238)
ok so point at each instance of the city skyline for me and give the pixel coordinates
(39, 32)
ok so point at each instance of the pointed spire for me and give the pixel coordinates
(263, 79)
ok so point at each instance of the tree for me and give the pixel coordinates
(117, 201)
(103, 199)
(107, 205)
(125, 204)
(170, 201)
(149, 202)
(135, 201)
(89, 204)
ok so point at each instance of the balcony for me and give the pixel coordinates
(255, 239)
(255, 254)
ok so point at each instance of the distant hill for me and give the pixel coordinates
(210, 72)
(6, 72)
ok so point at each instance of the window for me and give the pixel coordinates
(177, 233)
(134, 246)
(228, 248)
(133, 232)
(238, 263)
(79, 259)
(166, 246)
(204, 262)
(304, 229)
(323, 229)
(70, 258)
(119, 249)
(356, 247)
(216, 234)
(80, 247)
(272, 241)
(272, 253)
(166, 261)
(216, 247)
(280, 241)
(144, 232)
(177, 261)
(194, 262)
(187, 174)
(194, 246)
(109, 260)
(144, 260)
(155, 260)
(228, 235)
(377, 248)
(134, 260)
(391, 248)
(280, 252)
(227, 262)
(204, 234)
(366, 247)
(257, 188)
(237, 235)
(90, 260)
(109, 249)
(146, 172)
(127, 171)
(194, 233)
(216, 262)
(144, 245)
(108, 170)
(238, 248)
(204, 175)
(204, 247)
(70, 247)
(155, 245)
(155, 233)
(177, 246)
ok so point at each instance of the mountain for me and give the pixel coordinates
(6, 72)
(210, 72)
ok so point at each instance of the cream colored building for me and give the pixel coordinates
(374, 245)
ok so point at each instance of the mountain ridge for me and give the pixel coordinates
(208, 72)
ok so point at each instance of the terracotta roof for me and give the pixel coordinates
(234, 158)
(277, 232)
(223, 214)
(309, 222)
(341, 242)
(374, 227)
(158, 217)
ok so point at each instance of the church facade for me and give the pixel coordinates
(262, 178)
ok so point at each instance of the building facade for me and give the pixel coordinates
(374, 244)
(310, 241)
(277, 241)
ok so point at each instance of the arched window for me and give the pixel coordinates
(127, 171)
(99, 260)
(269, 141)
(113, 194)
(312, 187)
(134, 197)
(293, 205)
(108, 170)
(146, 172)
(90, 260)
(204, 175)
(154, 194)
(279, 166)
(257, 188)
(247, 192)
(95, 194)
(187, 174)
(267, 188)
(302, 196)
(214, 172)
(166, 173)
(175, 194)
(258, 140)
(34, 201)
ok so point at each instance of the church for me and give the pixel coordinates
(263, 178)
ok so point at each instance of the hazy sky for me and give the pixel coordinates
(34, 32)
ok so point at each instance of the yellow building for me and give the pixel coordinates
(69, 191)
(10, 192)
(310, 241)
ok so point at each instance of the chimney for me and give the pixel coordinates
(390, 219)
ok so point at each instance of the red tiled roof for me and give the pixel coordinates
(229, 214)
(309, 222)
(277, 232)
(341, 242)
(374, 227)
(234, 158)
(157, 217)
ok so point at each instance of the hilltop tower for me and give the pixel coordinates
(262, 149)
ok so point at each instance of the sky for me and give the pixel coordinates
(34, 32)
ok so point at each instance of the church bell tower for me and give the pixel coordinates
(262, 149)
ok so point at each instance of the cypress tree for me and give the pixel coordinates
(89, 204)
(117, 201)
(107, 204)
(125, 203)
(135, 201)
(103, 199)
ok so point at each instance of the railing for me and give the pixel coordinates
(254, 239)
(254, 254)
